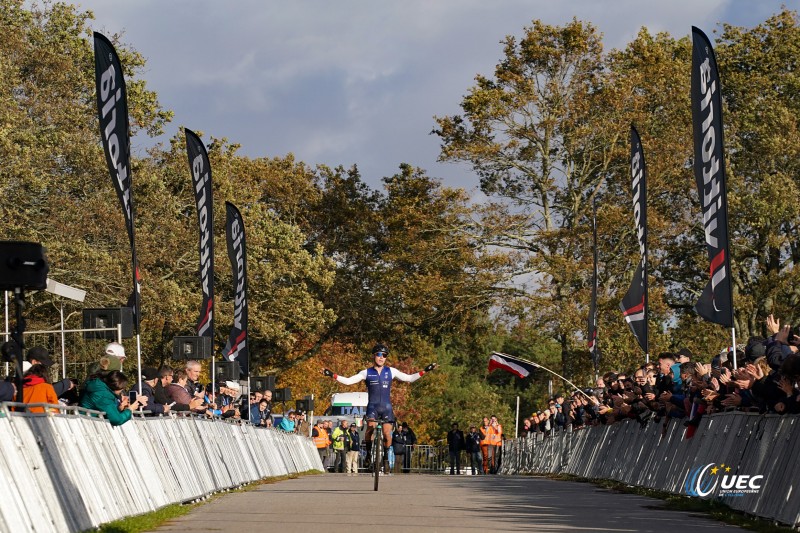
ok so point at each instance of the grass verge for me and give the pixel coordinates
(676, 502)
(150, 521)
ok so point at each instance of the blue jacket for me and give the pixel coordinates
(255, 415)
(286, 425)
(150, 393)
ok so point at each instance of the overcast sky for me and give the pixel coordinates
(357, 82)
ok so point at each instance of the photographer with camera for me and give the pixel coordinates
(229, 392)
(105, 393)
(196, 389)
(192, 376)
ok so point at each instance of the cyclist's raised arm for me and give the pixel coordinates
(402, 376)
(352, 380)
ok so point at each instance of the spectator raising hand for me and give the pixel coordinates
(786, 386)
(744, 380)
(732, 400)
(782, 336)
(773, 325)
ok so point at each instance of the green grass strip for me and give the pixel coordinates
(150, 521)
(676, 502)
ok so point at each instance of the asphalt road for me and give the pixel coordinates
(436, 503)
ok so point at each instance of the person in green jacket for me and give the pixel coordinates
(340, 436)
(105, 394)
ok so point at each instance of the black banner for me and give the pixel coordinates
(716, 302)
(634, 304)
(201, 182)
(592, 329)
(112, 108)
(236, 347)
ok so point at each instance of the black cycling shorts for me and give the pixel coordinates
(377, 411)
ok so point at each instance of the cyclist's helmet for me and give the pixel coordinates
(380, 348)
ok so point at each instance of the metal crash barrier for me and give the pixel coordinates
(748, 445)
(72, 472)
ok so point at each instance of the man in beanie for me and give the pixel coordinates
(684, 355)
(149, 379)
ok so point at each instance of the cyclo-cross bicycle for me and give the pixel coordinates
(377, 449)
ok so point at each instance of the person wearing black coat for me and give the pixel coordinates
(455, 443)
(403, 441)
(352, 448)
(472, 443)
(150, 378)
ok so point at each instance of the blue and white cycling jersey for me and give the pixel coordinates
(379, 388)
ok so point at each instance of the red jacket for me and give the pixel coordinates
(37, 390)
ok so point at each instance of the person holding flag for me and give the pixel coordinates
(379, 387)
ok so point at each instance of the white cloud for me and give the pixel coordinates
(356, 81)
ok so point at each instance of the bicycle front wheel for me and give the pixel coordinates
(377, 455)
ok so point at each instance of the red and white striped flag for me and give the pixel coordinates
(519, 368)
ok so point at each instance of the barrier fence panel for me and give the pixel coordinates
(69, 471)
(743, 446)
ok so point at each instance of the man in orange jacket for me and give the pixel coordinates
(484, 430)
(321, 441)
(495, 441)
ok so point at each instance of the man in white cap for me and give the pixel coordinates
(115, 349)
(229, 393)
(112, 359)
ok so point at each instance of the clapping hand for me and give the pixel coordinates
(782, 336)
(701, 370)
(732, 400)
(744, 379)
(195, 403)
(710, 395)
(786, 386)
(773, 325)
(755, 371)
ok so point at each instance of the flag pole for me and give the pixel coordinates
(537, 365)
(139, 360)
(733, 347)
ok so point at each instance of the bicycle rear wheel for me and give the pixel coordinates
(377, 454)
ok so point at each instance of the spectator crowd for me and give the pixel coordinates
(760, 376)
(681, 385)
(158, 391)
(342, 448)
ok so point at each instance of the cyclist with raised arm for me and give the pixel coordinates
(379, 387)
